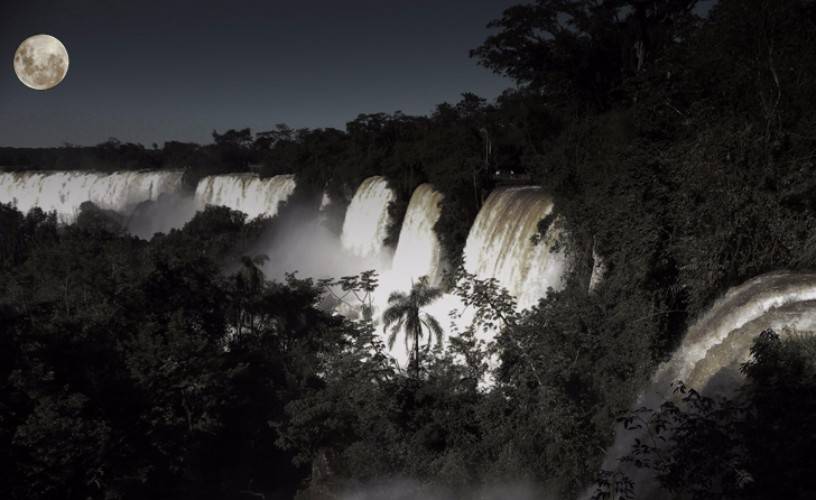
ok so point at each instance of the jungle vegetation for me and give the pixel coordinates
(678, 145)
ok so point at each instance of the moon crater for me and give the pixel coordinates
(41, 62)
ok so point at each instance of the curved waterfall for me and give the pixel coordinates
(500, 244)
(418, 254)
(64, 192)
(366, 222)
(247, 193)
(717, 344)
(418, 251)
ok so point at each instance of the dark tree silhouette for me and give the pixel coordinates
(404, 315)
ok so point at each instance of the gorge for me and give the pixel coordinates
(504, 244)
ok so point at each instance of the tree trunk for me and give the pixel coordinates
(416, 348)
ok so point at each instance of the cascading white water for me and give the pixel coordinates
(500, 244)
(418, 254)
(64, 192)
(247, 193)
(418, 251)
(719, 342)
(366, 222)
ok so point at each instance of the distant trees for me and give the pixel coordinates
(108, 156)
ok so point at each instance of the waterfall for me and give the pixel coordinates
(500, 244)
(64, 192)
(366, 222)
(418, 251)
(719, 342)
(247, 193)
(418, 254)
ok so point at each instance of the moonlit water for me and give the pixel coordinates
(418, 254)
(719, 342)
(366, 223)
(418, 251)
(64, 192)
(500, 244)
(311, 249)
(247, 193)
(304, 244)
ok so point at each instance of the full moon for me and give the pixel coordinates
(41, 62)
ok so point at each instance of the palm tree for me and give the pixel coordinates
(404, 313)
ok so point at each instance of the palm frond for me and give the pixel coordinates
(393, 314)
(397, 297)
(394, 332)
(434, 327)
(403, 315)
(423, 293)
(405, 339)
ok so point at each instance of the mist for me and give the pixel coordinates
(407, 489)
(169, 211)
(300, 242)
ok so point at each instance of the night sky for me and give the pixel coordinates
(150, 71)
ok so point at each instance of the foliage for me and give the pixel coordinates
(584, 49)
(404, 315)
(136, 369)
(754, 445)
(677, 148)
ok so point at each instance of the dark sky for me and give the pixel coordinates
(150, 71)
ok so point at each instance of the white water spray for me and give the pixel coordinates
(64, 192)
(366, 223)
(418, 254)
(500, 244)
(418, 251)
(719, 342)
(247, 193)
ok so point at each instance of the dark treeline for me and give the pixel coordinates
(680, 149)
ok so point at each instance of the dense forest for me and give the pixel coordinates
(678, 146)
